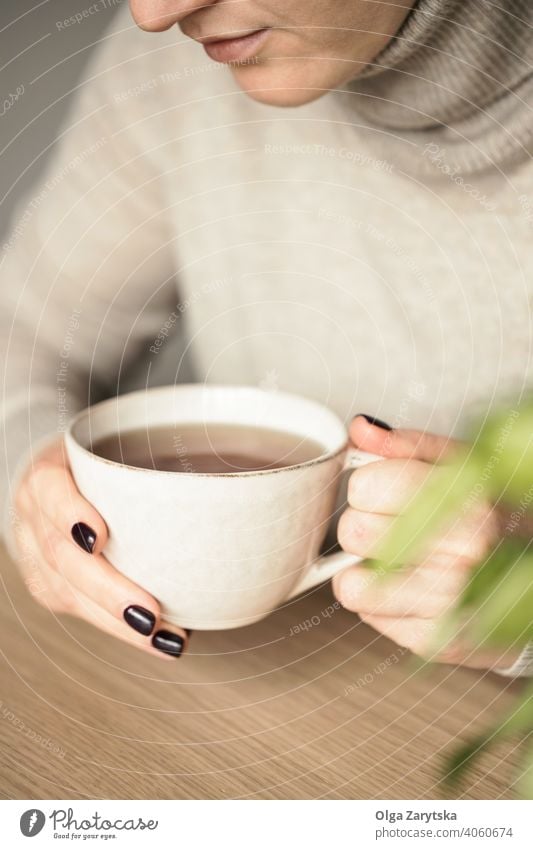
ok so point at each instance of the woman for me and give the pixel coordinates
(368, 245)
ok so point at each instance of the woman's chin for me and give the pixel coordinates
(276, 87)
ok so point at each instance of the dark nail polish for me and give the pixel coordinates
(168, 643)
(188, 631)
(374, 421)
(140, 619)
(84, 536)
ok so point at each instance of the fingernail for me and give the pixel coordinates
(374, 421)
(140, 619)
(188, 631)
(84, 536)
(168, 643)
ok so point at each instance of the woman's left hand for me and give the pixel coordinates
(405, 607)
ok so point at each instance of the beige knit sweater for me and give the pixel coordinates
(281, 248)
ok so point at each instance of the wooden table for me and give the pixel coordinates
(264, 712)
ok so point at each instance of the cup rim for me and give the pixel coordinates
(328, 455)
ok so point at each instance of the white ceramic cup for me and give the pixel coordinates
(216, 550)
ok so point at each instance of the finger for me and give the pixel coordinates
(400, 442)
(419, 636)
(87, 609)
(386, 486)
(51, 590)
(469, 537)
(56, 497)
(419, 592)
(94, 577)
(359, 532)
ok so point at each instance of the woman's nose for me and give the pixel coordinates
(158, 15)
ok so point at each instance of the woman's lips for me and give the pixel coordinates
(236, 49)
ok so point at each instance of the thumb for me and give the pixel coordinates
(399, 442)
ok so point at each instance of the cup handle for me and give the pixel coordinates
(326, 567)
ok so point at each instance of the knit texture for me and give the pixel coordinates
(458, 74)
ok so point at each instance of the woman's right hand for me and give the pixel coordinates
(59, 537)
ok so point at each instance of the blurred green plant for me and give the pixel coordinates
(496, 606)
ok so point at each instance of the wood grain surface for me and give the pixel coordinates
(333, 711)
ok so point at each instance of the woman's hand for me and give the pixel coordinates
(406, 606)
(59, 538)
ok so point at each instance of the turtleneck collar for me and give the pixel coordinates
(458, 73)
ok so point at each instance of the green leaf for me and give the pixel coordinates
(518, 719)
(496, 606)
(504, 447)
(459, 761)
(488, 574)
(497, 602)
